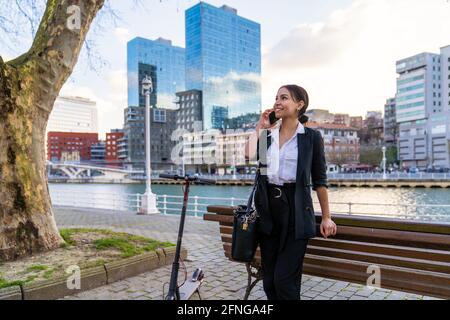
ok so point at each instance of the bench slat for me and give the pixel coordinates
(419, 253)
(407, 262)
(384, 237)
(410, 263)
(422, 282)
(359, 221)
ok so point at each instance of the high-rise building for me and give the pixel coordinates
(390, 123)
(423, 109)
(131, 149)
(223, 60)
(163, 62)
(165, 65)
(72, 114)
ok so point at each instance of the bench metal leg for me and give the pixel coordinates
(250, 284)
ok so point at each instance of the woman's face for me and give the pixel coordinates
(285, 106)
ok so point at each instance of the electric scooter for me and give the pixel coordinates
(191, 286)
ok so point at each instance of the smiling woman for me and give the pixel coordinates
(295, 162)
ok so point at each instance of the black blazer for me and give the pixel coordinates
(311, 171)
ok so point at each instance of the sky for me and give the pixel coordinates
(343, 52)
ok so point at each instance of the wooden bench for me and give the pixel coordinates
(411, 256)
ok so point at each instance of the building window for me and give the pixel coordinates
(159, 115)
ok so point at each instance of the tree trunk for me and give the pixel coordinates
(29, 86)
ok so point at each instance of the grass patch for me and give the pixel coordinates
(49, 273)
(38, 267)
(66, 235)
(129, 245)
(6, 284)
(86, 246)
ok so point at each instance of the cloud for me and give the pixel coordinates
(117, 81)
(347, 62)
(122, 34)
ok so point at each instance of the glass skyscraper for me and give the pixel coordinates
(166, 64)
(223, 60)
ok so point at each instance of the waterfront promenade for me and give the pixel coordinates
(224, 280)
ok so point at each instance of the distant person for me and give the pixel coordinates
(295, 162)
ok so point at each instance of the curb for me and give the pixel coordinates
(93, 277)
(11, 293)
(58, 287)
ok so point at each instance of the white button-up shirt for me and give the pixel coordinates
(282, 163)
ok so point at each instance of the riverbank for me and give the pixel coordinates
(351, 183)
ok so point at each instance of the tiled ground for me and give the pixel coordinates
(224, 280)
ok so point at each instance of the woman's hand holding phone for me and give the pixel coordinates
(264, 121)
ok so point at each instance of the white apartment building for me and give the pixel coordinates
(423, 109)
(72, 114)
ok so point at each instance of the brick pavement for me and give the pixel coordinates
(224, 280)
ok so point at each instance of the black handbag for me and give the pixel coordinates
(245, 239)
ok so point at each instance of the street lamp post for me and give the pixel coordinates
(384, 162)
(149, 199)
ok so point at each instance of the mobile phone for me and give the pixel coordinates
(272, 118)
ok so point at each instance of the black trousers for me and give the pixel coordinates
(281, 255)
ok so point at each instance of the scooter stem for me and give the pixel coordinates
(174, 293)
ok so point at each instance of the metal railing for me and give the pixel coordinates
(389, 176)
(197, 206)
(113, 201)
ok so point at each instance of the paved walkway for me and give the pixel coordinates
(224, 280)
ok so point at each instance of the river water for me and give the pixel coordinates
(396, 202)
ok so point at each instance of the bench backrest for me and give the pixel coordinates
(409, 256)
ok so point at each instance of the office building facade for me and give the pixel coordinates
(163, 62)
(423, 110)
(131, 148)
(189, 113)
(223, 60)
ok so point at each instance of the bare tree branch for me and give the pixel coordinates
(29, 17)
(19, 20)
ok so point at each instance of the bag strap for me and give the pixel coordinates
(251, 199)
(269, 142)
